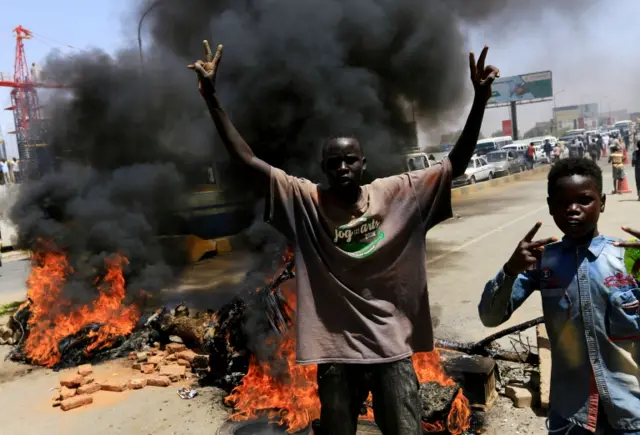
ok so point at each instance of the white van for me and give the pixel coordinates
(485, 146)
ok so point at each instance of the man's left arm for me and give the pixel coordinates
(482, 77)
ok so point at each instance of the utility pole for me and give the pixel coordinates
(514, 120)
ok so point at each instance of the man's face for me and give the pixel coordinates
(343, 163)
(576, 204)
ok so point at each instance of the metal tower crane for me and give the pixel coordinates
(30, 129)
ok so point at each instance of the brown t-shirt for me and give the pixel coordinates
(361, 269)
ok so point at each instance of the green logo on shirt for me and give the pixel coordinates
(360, 237)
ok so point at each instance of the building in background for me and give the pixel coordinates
(578, 116)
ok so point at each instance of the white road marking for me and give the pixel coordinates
(484, 236)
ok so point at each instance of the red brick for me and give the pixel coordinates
(155, 360)
(137, 366)
(158, 381)
(171, 358)
(72, 382)
(87, 380)
(184, 362)
(115, 386)
(75, 402)
(172, 370)
(136, 384)
(147, 369)
(66, 393)
(175, 347)
(89, 388)
(188, 354)
(56, 403)
(85, 370)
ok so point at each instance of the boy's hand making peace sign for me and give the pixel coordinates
(527, 253)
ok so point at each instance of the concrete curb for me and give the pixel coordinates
(459, 192)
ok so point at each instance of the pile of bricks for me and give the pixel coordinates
(158, 368)
(172, 362)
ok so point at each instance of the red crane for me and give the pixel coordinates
(27, 113)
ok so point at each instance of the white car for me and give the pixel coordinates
(478, 170)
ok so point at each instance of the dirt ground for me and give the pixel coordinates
(25, 395)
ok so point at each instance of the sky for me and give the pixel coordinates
(592, 52)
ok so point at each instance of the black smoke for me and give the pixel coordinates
(124, 150)
(296, 72)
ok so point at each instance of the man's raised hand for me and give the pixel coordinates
(527, 253)
(633, 243)
(482, 76)
(207, 69)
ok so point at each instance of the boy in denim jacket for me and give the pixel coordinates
(591, 307)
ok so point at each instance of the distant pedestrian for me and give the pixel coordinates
(548, 148)
(635, 161)
(531, 155)
(617, 161)
(557, 153)
(5, 171)
(16, 170)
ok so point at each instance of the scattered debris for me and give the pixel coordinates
(187, 393)
(75, 402)
(483, 347)
(521, 396)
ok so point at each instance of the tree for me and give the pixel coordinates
(497, 133)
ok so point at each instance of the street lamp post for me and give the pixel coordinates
(150, 8)
(601, 108)
(555, 118)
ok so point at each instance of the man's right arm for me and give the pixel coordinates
(256, 169)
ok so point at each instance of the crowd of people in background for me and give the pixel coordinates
(10, 171)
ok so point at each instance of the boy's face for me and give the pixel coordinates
(576, 204)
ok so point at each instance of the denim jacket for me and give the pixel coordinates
(592, 313)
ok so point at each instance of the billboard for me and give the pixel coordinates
(507, 128)
(522, 88)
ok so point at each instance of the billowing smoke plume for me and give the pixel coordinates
(295, 72)
(125, 147)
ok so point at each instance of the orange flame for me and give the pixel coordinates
(54, 318)
(295, 403)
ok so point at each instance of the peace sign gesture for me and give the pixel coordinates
(207, 69)
(482, 76)
(527, 253)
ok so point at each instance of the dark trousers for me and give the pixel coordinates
(638, 178)
(343, 388)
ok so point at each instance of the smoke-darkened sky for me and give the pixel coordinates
(590, 50)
